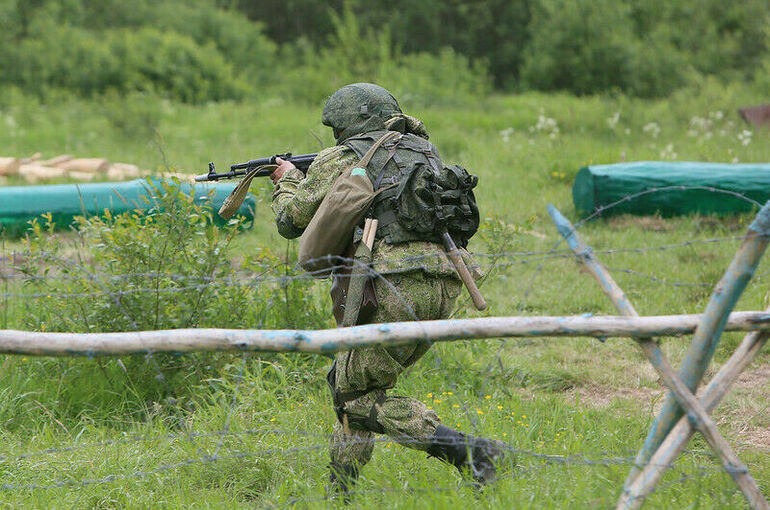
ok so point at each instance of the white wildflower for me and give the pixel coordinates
(745, 137)
(546, 125)
(613, 121)
(506, 134)
(668, 152)
(652, 129)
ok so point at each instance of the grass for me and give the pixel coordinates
(588, 401)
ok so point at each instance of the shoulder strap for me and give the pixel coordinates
(376, 145)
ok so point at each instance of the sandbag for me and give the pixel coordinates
(692, 188)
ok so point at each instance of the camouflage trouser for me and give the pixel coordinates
(367, 373)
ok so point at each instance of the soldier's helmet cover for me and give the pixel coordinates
(358, 108)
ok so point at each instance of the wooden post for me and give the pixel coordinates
(677, 439)
(707, 336)
(327, 341)
(657, 358)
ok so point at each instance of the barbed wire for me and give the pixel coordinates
(264, 278)
(598, 459)
(227, 437)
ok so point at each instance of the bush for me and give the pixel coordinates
(178, 51)
(146, 60)
(590, 46)
(355, 54)
(166, 268)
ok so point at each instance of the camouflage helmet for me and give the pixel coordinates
(358, 108)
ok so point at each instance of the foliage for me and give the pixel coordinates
(355, 52)
(167, 268)
(492, 31)
(588, 47)
(575, 410)
(192, 53)
(208, 50)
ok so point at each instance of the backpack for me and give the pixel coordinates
(432, 199)
(419, 197)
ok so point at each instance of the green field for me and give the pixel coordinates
(574, 409)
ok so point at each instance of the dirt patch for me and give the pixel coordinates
(744, 415)
(746, 412)
(602, 396)
(754, 377)
(647, 223)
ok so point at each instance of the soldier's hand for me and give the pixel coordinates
(283, 165)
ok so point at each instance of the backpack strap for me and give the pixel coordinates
(390, 135)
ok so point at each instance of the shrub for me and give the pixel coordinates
(355, 53)
(588, 47)
(166, 268)
(179, 51)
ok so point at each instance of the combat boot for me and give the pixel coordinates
(342, 478)
(475, 455)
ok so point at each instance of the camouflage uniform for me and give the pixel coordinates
(420, 284)
(416, 282)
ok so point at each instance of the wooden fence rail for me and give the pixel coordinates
(328, 341)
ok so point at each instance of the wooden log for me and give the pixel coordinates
(81, 176)
(674, 444)
(56, 161)
(659, 361)
(91, 165)
(36, 173)
(31, 159)
(122, 171)
(9, 166)
(338, 339)
(707, 336)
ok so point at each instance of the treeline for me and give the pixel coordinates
(432, 50)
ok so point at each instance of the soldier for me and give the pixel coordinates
(359, 114)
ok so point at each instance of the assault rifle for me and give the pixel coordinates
(302, 162)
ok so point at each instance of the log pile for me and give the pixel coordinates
(35, 169)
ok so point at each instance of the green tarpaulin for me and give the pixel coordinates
(20, 204)
(670, 188)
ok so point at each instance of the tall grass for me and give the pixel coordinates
(588, 401)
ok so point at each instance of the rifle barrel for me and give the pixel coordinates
(302, 162)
